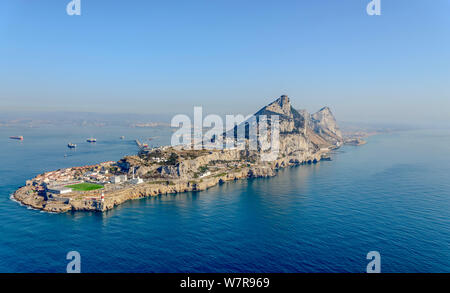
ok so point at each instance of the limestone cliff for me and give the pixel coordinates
(303, 138)
(324, 124)
(302, 133)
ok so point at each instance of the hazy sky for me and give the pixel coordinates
(229, 56)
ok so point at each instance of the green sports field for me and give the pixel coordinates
(85, 186)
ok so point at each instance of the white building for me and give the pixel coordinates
(136, 181)
(60, 190)
(90, 173)
(205, 174)
(119, 179)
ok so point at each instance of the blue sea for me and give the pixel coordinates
(391, 195)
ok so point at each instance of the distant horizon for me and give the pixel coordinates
(166, 118)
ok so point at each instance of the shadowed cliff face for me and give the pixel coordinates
(281, 106)
(290, 119)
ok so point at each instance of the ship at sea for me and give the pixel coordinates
(16, 137)
(91, 140)
(71, 145)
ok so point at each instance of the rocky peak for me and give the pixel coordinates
(325, 110)
(320, 128)
(290, 119)
(324, 123)
(281, 106)
(325, 116)
(285, 104)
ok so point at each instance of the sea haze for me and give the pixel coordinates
(391, 195)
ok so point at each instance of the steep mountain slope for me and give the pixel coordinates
(324, 124)
(302, 138)
(301, 131)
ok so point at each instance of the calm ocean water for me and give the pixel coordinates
(391, 195)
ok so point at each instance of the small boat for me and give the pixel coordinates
(122, 137)
(91, 140)
(71, 145)
(16, 137)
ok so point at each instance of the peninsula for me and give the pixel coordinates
(303, 139)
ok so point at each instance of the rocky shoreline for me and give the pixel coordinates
(303, 139)
(26, 195)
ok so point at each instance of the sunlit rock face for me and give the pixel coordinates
(324, 124)
(290, 119)
(302, 137)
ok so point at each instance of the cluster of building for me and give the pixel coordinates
(57, 182)
(101, 177)
(98, 173)
(122, 178)
(158, 160)
(54, 176)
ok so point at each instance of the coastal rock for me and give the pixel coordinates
(356, 141)
(303, 138)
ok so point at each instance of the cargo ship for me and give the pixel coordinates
(71, 145)
(16, 137)
(91, 140)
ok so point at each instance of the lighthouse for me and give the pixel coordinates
(103, 197)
